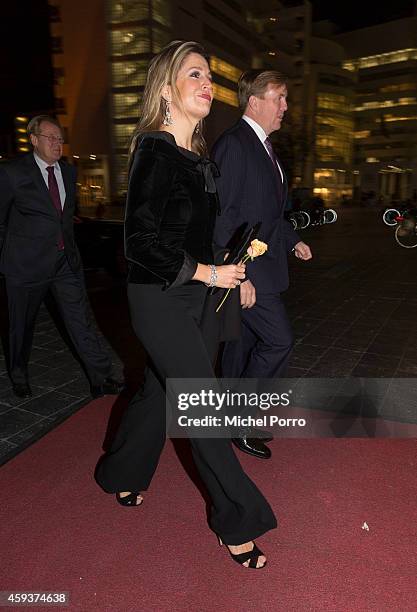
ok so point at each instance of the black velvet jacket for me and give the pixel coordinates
(170, 213)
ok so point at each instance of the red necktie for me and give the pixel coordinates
(54, 192)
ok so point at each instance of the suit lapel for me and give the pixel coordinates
(262, 154)
(67, 185)
(36, 175)
(284, 183)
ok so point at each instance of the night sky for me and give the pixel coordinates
(25, 67)
(352, 14)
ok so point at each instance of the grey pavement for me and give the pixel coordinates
(353, 311)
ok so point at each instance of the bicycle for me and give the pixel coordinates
(406, 230)
(390, 215)
(323, 216)
(300, 219)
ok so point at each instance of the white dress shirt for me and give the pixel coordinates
(58, 175)
(259, 131)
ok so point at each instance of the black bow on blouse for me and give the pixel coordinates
(210, 172)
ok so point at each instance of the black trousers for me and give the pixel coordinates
(167, 324)
(68, 289)
(266, 342)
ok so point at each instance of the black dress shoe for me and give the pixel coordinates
(22, 390)
(259, 434)
(108, 387)
(252, 446)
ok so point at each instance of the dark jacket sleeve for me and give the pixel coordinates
(6, 198)
(151, 185)
(290, 235)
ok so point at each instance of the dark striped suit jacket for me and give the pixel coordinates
(250, 191)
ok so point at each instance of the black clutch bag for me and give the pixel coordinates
(239, 250)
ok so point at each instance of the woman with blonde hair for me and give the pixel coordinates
(170, 215)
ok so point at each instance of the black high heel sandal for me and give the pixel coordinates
(251, 555)
(129, 500)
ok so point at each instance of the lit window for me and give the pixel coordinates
(129, 43)
(223, 94)
(398, 87)
(362, 134)
(402, 55)
(160, 38)
(224, 69)
(334, 102)
(125, 105)
(161, 12)
(392, 118)
(386, 103)
(122, 135)
(128, 73)
(128, 10)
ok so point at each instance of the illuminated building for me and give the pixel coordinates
(383, 59)
(100, 73)
(316, 135)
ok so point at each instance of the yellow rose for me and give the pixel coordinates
(257, 248)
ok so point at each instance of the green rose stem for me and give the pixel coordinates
(244, 260)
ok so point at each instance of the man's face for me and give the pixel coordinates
(269, 110)
(47, 142)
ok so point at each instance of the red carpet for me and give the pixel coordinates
(61, 533)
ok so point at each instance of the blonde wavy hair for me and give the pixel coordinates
(163, 70)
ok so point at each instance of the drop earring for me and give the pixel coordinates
(197, 129)
(167, 115)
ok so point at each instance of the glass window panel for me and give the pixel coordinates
(161, 12)
(224, 69)
(120, 169)
(223, 94)
(125, 105)
(128, 10)
(401, 55)
(336, 102)
(128, 73)
(122, 135)
(129, 42)
(160, 38)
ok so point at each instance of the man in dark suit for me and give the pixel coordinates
(253, 187)
(38, 253)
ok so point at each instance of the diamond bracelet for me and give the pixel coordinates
(213, 276)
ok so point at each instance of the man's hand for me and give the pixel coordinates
(302, 251)
(247, 294)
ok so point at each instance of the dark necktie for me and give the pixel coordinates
(273, 157)
(54, 192)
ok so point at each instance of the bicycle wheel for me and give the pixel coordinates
(304, 219)
(390, 216)
(406, 233)
(329, 216)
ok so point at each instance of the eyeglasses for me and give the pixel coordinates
(52, 139)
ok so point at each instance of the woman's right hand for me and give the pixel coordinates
(229, 277)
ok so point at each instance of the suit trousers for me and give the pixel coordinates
(69, 292)
(266, 342)
(167, 324)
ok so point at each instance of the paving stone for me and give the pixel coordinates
(49, 404)
(15, 420)
(32, 432)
